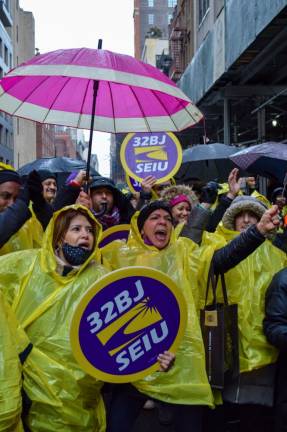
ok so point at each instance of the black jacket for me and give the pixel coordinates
(237, 250)
(275, 329)
(12, 219)
(275, 322)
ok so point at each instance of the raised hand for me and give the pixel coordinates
(148, 183)
(269, 221)
(234, 183)
(84, 199)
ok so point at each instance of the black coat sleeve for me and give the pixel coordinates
(44, 213)
(67, 195)
(216, 216)
(12, 219)
(275, 321)
(237, 250)
(196, 224)
(126, 211)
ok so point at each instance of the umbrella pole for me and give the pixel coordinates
(95, 92)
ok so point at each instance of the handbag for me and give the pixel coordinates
(219, 327)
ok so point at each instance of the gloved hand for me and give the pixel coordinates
(35, 189)
(209, 192)
(24, 194)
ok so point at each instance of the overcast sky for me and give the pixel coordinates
(80, 23)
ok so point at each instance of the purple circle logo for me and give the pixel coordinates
(158, 154)
(117, 232)
(125, 321)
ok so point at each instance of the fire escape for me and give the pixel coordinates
(177, 40)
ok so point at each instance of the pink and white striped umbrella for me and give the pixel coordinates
(57, 88)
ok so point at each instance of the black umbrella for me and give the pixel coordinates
(61, 166)
(206, 162)
(267, 159)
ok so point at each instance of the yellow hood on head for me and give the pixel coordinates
(48, 260)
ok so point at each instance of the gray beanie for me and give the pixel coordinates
(240, 204)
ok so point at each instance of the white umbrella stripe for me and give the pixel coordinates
(100, 74)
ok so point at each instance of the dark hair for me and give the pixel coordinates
(63, 222)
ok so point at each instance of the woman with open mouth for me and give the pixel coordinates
(44, 286)
(153, 243)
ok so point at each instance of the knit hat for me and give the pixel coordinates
(9, 176)
(149, 209)
(240, 204)
(46, 174)
(179, 193)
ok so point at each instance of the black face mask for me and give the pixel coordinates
(75, 255)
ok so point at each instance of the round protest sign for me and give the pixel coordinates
(117, 232)
(133, 184)
(124, 321)
(158, 154)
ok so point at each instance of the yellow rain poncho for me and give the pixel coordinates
(64, 398)
(29, 236)
(246, 285)
(10, 373)
(187, 264)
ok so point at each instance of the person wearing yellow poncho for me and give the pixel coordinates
(10, 372)
(44, 286)
(19, 227)
(152, 243)
(246, 285)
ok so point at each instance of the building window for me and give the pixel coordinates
(171, 3)
(151, 19)
(6, 139)
(169, 18)
(203, 6)
(150, 3)
(6, 55)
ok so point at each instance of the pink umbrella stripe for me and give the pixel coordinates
(91, 58)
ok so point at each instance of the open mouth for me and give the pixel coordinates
(160, 234)
(84, 245)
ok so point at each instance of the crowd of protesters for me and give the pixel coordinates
(50, 256)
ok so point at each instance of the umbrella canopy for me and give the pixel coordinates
(61, 166)
(131, 96)
(268, 159)
(206, 162)
(55, 165)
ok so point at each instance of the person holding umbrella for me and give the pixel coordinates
(105, 200)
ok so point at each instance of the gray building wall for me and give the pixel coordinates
(23, 37)
(227, 32)
(6, 51)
